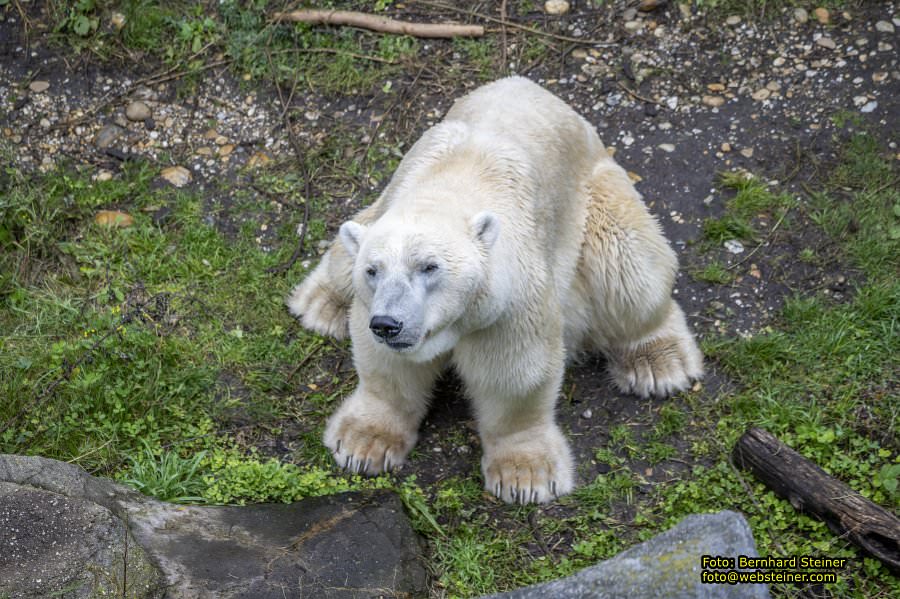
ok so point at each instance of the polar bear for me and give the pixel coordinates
(506, 242)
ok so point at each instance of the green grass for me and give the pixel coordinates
(121, 346)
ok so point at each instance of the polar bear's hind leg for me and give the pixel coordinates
(627, 271)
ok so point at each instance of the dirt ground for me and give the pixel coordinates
(679, 95)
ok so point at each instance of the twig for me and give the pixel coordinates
(761, 243)
(634, 94)
(507, 23)
(307, 176)
(379, 23)
(503, 37)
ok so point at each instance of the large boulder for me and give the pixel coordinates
(66, 533)
(668, 565)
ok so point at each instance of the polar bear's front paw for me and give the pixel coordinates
(367, 445)
(528, 467)
(659, 367)
(320, 306)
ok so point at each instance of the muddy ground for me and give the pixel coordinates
(680, 96)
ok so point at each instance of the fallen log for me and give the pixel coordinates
(379, 23)
(810, 489)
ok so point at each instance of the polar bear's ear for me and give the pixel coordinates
(351, 235)
(486, 227)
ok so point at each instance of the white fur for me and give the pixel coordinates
(545, 249)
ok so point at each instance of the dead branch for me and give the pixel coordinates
(379, 23)
(811, 490)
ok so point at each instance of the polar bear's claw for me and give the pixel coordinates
(529, 467)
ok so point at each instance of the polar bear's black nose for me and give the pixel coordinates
(385, 326)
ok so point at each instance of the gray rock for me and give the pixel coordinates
(668, 565)
(107, 136)
(52, 543)
(138, 111)
(65, 528)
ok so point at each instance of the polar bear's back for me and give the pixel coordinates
(516, 110)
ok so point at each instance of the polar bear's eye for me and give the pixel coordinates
(371, 271)
(429, 268)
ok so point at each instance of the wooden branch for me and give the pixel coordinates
(810, 489)
(378, 23)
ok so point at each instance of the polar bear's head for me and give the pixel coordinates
(420, 280)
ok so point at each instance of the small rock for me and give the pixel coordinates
(667, 148)
(117, 20)
(879, 76)
(138, 111)
(104, 175)
(258, 159)
(826, 42)
(716, 87)
(713, 101)
(773, 86)
(45, 123)
(755, 272)
(734, 246)
(113, 218)
(204, 151)
(726, 147)
(107, 135)
(556, 7)
(226, 150)
(747, 152)
(869, 106)
(630, 14)
(884, 27)
(579, 53)
(39, 86)
(859, 101)
(732, 20)
(822, 15)
(650, 5)
(779, 61)
(633, 25)
(761, 94)
(800, 15)
(587, 414)
(176, 175)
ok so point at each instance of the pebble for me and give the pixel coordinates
(725, 147)
(587, 414)
(650, 5)
(45, 123)
(822, 15)
(667, 148)
(39, 86)
(107, 135)
(884, 27)
(761, 94)
(869, 106)
(117, 20)
(734, 246)
(226, 150)
(732, 20)
(826, 42)
(630, 14)
(138, 111)
(556, 7)
(633, 25)
(716, 87)
(104, 175)
(800, 15)
(713, 101)
(176, 175)
(747, 152)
